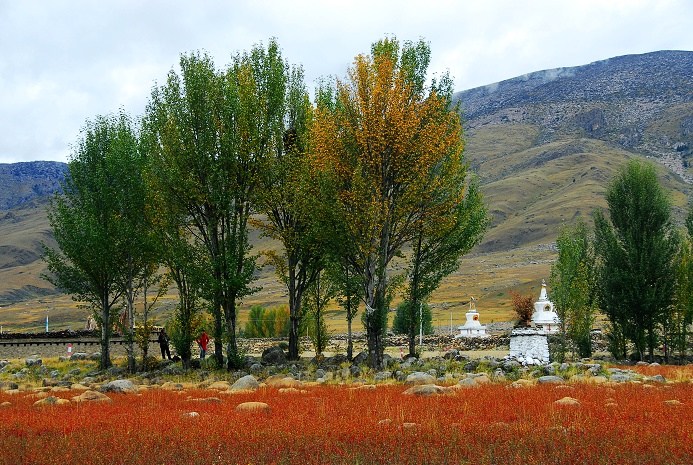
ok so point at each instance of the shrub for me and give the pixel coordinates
(402, 318)
(523, 305)
(262, 322)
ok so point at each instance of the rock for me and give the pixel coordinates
(51, 400)
(355, 371)
(4, 363)
(319, 373)
(550, 380)
(467, 382)
(364, 387)
(597, 379)
(33, 361)
(274, 356)
(425, 390)
(6, 404)
(253, 407)
(482, 379)
(567, 401)
(419, 378)
(79, 356)
(433, 372)
(219, 385)
(383, 376)
(119, 385)
(256, 368)
(190, 415)
(282, 381)
(91, 396)
(384, 421)
(654, 364)
(246, 383)
(619, 378)
(292, 391)
(611, 405)
(673, 402)
(213, 400)
(658, 379)
(361, 358)
(79, 387)
(171, 386)
(8, 385)
(522, 383)
(408, 425)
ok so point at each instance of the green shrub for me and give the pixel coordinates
(402, 318)
(262, 322)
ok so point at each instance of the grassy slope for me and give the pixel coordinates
(530, 192)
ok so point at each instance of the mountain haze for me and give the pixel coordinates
(544, 147)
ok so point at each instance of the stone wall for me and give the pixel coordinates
(529, 346)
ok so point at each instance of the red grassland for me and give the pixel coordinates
(492, 424)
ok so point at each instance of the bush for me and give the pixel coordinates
(523, 305)
(401, 323)
(262, 322)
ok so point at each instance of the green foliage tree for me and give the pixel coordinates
(212, 133)
(403, 322)
(262, 322)
(289, 212)
(636, 253)
(318, 296)
(91, 224)
(573, 289)
(380, 135)
(677, 327)
(440, 242)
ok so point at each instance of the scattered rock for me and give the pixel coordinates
(190, 415)
(274, 356)
(419, 378)
(246, 383)
(658, 379)
(550, 380)
(79, 356)
(91, 396)
(283, 381)
(364, 387)
(408, 425)
(6, 404)
(467, 382)
(673, 402)
(51, 400)
(32, 361)
(8, 385)
(292, 391)
(567, 401)
(119, 385)
(171, 386)
(425, 390)
(253, 407)
(383, 376)
(385, 421)
(213, 400)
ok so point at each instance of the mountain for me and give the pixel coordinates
(544, 147)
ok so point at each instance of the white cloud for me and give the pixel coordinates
(62, 62)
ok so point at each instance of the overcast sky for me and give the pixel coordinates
(63, 62)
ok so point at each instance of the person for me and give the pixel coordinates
(163, 344)
(203, 340)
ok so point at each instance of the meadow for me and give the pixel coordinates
(489, 424)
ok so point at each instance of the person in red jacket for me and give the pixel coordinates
(203, 340)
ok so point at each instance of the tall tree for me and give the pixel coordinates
(381, 135)
(213, 133)
(573, 288)
(289, 215)
(440, 242)
(90, 221)
(677, 327)
(636, 253)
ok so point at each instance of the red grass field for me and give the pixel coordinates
(493, 424)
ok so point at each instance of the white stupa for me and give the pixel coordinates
(473, 327)
(544, 316)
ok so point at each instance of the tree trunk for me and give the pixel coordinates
(105, 334)
(294, 311)
(233, 358)
(350, 341)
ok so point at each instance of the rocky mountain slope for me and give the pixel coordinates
(543, 145)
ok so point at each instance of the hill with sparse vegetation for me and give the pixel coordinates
(544, 146)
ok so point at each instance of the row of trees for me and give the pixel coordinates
(370, 171)
(636, 268)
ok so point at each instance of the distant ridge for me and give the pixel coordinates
(21, 183)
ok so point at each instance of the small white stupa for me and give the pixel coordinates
(473, 327)
(544, 316)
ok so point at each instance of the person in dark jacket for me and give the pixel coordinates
(163, 344)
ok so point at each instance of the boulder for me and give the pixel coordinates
(550, 380)
(220, 385)
(190, 415)
(567, 401)
(425, 390)
(283, 381)
(51, 400)
(246, 383)
(467, 382)
(79, 356)
(6, 404)
(171, 386)
(252, 407)
(8, 385)
(119, 385)
(419, 377)
(620, 378)
(383, 376)
(91, 396)
(32, 361)
(274, 356)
